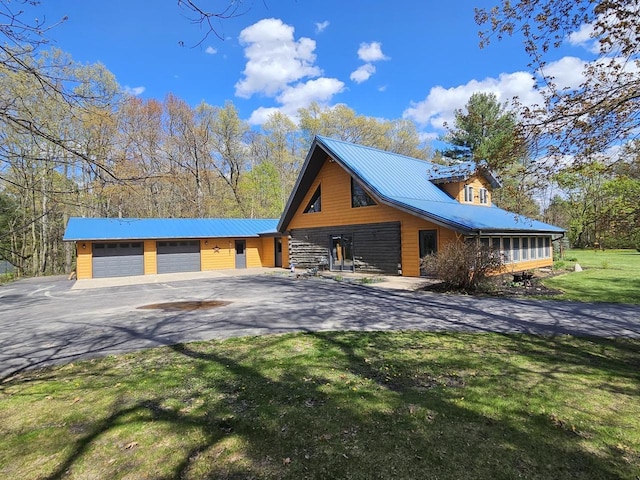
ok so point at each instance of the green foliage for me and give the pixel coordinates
(341, 122)
(487, 131)
(463, 265)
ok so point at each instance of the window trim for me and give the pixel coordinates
(484, 196)
(468, 193)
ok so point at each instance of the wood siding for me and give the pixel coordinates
(217, 253)
(376, 246)
(336, 211)
(84, 260)
(150, 257)
(268, 252)
(456, 190)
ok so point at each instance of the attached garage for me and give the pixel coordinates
(118, 259)
(118, 247)
(178, 256)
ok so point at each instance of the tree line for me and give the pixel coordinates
(99, 153)
(72, 144)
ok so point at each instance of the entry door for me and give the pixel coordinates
(342, 252)
(278, 247)
(241, 254)
(428, 244)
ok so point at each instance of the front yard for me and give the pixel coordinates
(333, 405)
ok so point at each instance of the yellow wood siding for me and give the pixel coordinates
(84, 260)
(254, 252)
(268, 252)
(336, 210)
(285, 252)
(456, 190)
(212, 258)
(150, 257)
(528, 265)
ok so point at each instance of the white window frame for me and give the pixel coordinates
(468, 193)
(484, 197)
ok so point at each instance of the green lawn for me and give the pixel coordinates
(333, 405)
(609, 276)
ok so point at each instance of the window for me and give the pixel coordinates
(547, 247)
(359, 198)
(533, 248)
(495, 244)
(314, 204)
(516, 249)
(525, 249)
(468, 193)
(484, 197)
(540, 247)
(506, 246)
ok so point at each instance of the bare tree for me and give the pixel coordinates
(604, 109)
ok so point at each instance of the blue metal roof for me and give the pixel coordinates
(166, 228)
(408, 183)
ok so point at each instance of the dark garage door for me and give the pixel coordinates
(179, 256)
(119, 259)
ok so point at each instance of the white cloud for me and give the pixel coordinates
(371, 52)
(210, 50)
(133, 91)
(321, 26)
(320, 90)
(363, 73)
(283, 68)
(584, 38)
(275, 58)
(568, 72)
(440, 104)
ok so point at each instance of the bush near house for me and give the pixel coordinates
(463, 265)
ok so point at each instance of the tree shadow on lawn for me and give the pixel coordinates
(332, 410)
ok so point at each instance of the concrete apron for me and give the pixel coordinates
(391, 282)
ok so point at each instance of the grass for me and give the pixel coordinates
(611, 276)
(333, 405)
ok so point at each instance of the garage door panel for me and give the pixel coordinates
(118, 259)
(178, 256)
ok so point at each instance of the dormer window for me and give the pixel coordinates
(468, 193)
(314, 204)
(484, 196)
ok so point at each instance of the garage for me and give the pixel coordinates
(118, 259)
(178, 256)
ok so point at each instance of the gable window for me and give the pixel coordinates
(314, 204)
(484, 197)
(468, 193)
(360, 198)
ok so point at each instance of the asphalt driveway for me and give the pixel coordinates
(45, 321)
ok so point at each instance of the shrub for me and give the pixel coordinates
(559, 264)
(463, 265)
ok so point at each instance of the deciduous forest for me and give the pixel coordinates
(73, 144)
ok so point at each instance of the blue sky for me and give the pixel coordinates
(415, 59)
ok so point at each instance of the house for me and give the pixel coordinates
(353, 208)
(357, 208)
(116, 247)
